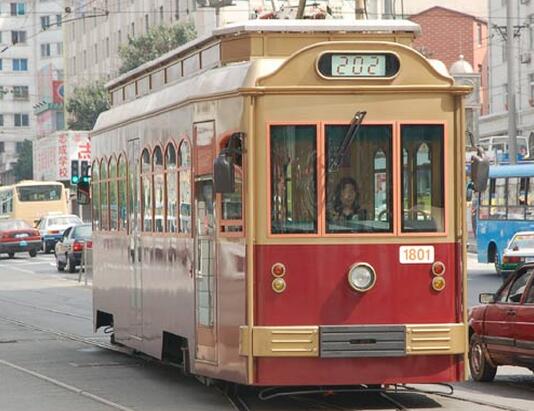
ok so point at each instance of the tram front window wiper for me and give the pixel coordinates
(347, 141)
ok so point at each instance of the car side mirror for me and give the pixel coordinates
(486, 298)
(479, 173)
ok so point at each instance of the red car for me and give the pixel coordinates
(18, 236)
(501, 331)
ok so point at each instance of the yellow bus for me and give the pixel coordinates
(29, 200)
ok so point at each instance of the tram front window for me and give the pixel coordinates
(293, 179)
(358, 185)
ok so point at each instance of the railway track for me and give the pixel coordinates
(250, 399)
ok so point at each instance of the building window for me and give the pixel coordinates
(479, 34)
(59, 20)
(22, 120)
(1, 120)
(45, 22)
(161, 15)
(2, 147)
(20, 92)
(0, 64)
(18, 37)
(147, 25)
(17, 9)
(18, 146)
(20, 64)
(45, 50)
(59, 49)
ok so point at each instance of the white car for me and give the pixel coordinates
(520, 250)
(52, 227)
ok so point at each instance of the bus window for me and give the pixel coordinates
(6, 201)
(185, 186)
(355, 202)
(113, 204)
(146, 191)
(39, 193)
(159, 206)
(95, 184)
(104, 193)
(422, 178)
(516, 200)
(293, 179)
(498, 199)
(171, 188)
(483, 204)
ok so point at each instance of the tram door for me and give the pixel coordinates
(134, 243)
(205, 245)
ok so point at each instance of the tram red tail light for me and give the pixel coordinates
(278, 270)
(438, 268)
(511, 259)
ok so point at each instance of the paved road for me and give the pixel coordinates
(46, 362)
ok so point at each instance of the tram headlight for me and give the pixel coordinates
(362, 277)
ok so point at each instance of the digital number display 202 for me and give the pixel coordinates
(358, 65)
(345, 65)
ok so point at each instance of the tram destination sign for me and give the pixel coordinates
(358, 65)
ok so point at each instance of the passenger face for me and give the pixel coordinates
(348, 195)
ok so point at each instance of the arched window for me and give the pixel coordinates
(122, 187)
(104, 193)
(158, 178)
(184, 170)
(171, 188)
(95, 194)
(382, 209)
(146, 190)
(113, 203)
(424, 178)
(232, 203)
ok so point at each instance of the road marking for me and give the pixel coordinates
(68, 387)
(19, 269)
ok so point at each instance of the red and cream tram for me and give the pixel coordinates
(281, 203)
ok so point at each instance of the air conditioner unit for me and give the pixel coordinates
(525, 58)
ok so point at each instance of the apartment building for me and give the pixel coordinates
(30, 38)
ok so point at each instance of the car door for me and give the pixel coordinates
(524, 326)
(500, 318)
(61, 246)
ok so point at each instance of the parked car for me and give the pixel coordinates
(17, 236)
(70, 248)
(520, 250)
(52, 227)
(501, 331)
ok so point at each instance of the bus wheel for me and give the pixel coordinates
(11, 255)
(481, 369)
(33, 253)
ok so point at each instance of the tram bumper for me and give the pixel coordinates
(352, 341)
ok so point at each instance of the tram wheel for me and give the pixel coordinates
(481, 369)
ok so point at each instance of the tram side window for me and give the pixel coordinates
(359, 181)
(185, 187)
(95, 185)
(497, 197)
(171, 188)
(122, 184)
(146, 191)
(423, 204)
(104, 194)
(113, 203)
(159, 205)
(232, 203)
(516, 199)
(293, 179)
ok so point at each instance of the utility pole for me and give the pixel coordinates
(512, 126)
(361, 11)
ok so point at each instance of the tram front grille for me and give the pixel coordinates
(362, 341)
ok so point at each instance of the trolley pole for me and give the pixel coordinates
(510, 63)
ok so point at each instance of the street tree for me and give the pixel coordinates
(23, 169)
(157, 41)
(85, 104)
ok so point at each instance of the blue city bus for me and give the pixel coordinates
(504, 208)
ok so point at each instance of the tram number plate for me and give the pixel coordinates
(420, 254)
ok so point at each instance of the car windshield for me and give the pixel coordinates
(64, 220)
(82, 231)
(13, 225)
(39, 193)
(522, 241)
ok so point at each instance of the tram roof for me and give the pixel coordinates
(255, 27)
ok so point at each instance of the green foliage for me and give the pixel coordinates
(23, 169)
(159, 40)
(85, 104)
